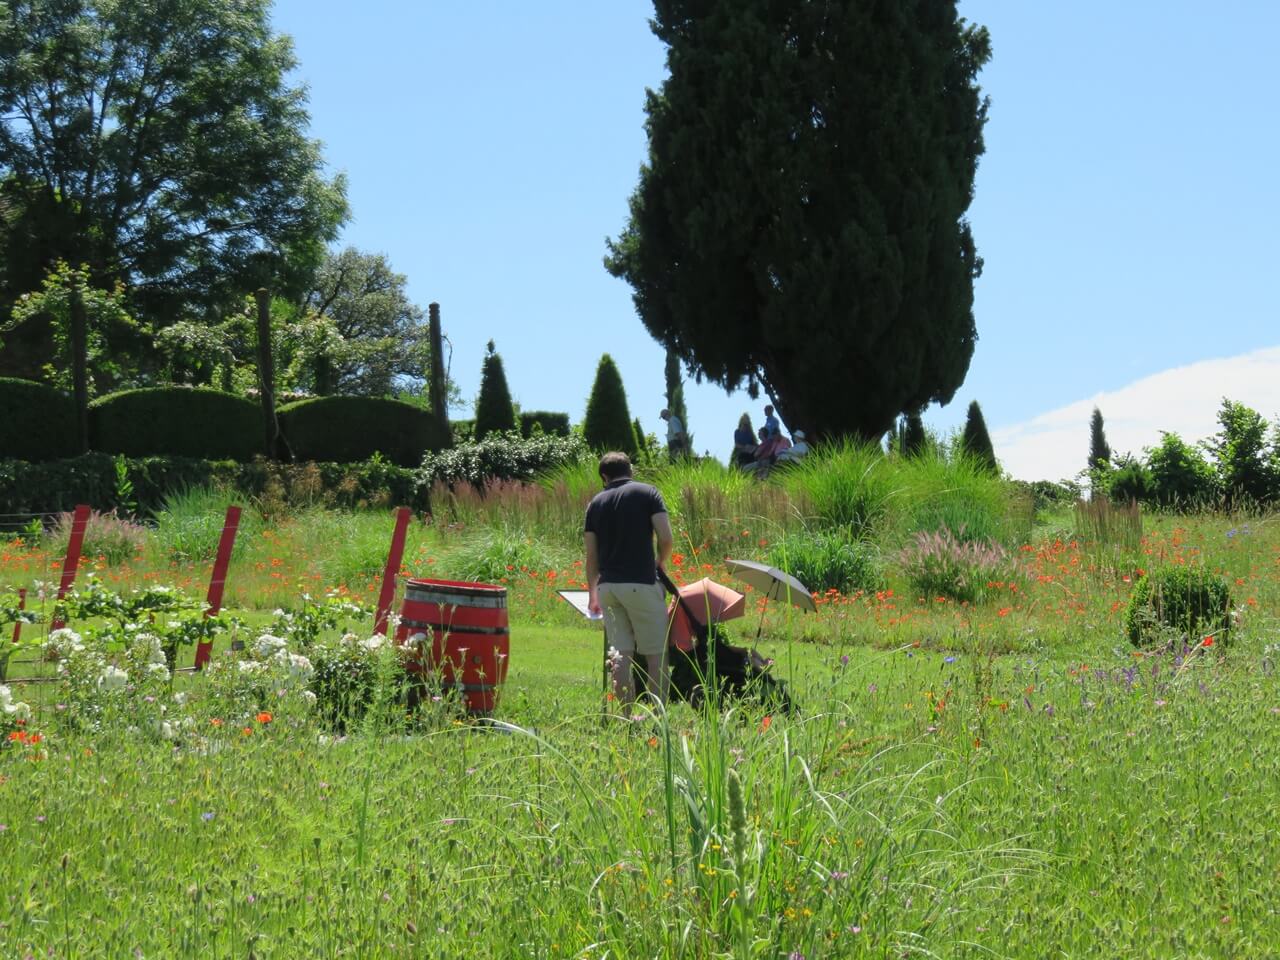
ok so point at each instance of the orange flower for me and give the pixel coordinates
(264, 717)
(1208, 642)
(766, 723)
(246, 731)
(215, 721)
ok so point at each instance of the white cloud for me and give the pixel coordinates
(1183, 400)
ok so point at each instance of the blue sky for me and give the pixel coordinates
(1127, 207)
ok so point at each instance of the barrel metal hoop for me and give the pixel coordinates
(449, 628)
(481, 601)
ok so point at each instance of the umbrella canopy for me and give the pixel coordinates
(775, 584)
(704, 598)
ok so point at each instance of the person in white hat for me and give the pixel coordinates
(797, 450)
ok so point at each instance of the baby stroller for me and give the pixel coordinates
(714, 668)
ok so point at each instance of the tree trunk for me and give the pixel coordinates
(80, 367)
(267, 374)
(437, 389)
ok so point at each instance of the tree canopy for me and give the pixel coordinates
(159, 143)
(375, 337)
(975, 441)
(1099, 449)
(800, 223)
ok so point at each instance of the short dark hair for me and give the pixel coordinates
(615, 466)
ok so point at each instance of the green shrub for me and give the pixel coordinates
(1188, 601)
(1130, 482)
(349, 429)
(37, 421)
(960, 494)
(607, 424)
(500, 457)
(828, 560)
(61, 484)
(549, 421)
(976, 440)
(176, 422)
(942, 564)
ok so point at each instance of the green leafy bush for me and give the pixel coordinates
(499, 554)
(37, 421)
(1180, 475)
(828, 560)
(943, 564)
(1188, 601)
(189, 528)
(550, 422)
(349, 429)
(500, 457)
(177, 422)
(1130, 482)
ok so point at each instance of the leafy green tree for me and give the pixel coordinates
(1239, 449)
(1099, 449)
(162, 144)
(81, 318)
(975, 441)
(1180, 475)
(495, 412)
(1129, 481)
(607, 424)
(368, 337)
(800, 222)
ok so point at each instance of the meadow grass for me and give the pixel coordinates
(1004, 778)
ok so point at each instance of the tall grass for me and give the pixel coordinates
(189, 527)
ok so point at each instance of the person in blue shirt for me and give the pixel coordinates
(771, 425)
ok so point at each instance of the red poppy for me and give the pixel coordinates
(1208, 642)
(264, 717)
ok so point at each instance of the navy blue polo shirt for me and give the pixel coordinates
(621, 516)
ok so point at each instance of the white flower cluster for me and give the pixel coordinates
(62, 643)
(272, 654)
(14, 709)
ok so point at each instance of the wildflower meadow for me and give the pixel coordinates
(982, 762)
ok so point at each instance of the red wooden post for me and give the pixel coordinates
(394, 557)
(218, 580)
(22, 605)
(79, 520)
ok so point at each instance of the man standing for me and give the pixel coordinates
(676, 438)
(622, 521)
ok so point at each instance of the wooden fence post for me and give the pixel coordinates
(218, 579)
(70, 563)
(394, 556)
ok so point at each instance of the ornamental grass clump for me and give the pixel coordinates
(829, 560)
(1178, 604)
(111, 537)
(945, 564)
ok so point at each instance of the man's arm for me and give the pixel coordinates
(662, 528)
(593, 570)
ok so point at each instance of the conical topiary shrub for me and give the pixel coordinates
(976, 441)
(607, 425)
(494, 410)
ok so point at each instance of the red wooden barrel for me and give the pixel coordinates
(466, 626)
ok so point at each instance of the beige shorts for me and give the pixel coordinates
(635, 616)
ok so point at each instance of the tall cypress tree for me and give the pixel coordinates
(495, 412)
(607, 424)
(976, 441)
(913, 436)
(675, 388)
(1099, 449)
(801, 219)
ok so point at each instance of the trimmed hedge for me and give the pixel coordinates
(553, 423)
(37, 421)
(176, 422)
(1188, 600)
(350, 429)
(57, 486)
